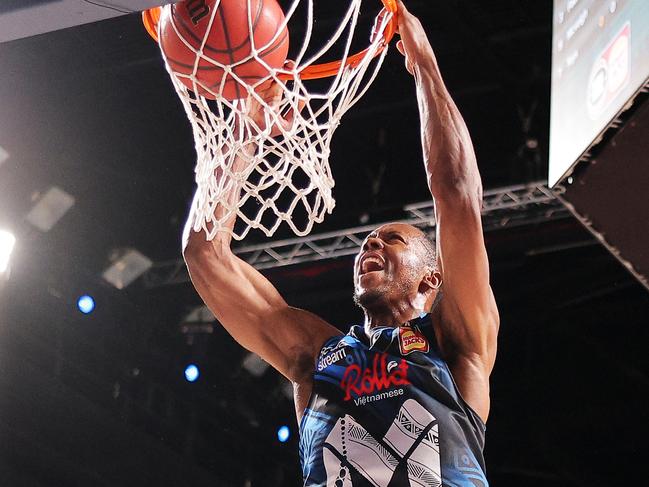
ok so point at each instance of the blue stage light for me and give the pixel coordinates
(283, 434)
(86, 304)
(191, 373)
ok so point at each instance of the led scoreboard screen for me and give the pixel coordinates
(600, 59)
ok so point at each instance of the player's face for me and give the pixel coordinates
(389, 265)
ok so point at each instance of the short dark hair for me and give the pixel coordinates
(429, 248)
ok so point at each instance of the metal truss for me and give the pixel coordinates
(502, 208)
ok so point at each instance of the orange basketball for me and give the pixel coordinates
(185, 26)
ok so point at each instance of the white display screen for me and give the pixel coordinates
(600, 58)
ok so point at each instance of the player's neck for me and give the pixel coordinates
(390, 316)
(397, 313)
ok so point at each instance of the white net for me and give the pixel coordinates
(269, 172)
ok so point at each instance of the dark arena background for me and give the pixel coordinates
(96, 175)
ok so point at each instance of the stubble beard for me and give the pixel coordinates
(379, 296)
(370, 298)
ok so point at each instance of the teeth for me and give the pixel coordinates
(371, 263)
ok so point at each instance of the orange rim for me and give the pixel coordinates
(151, 17)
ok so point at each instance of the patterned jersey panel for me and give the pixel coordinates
(385, 412)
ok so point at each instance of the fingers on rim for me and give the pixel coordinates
(400, 8)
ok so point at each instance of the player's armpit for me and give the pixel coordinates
(253, 312)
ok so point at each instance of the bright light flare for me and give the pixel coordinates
(86, 304)
(283, 434)
(192, 373)
(7, 242)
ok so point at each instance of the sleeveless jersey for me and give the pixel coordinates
(385, 412)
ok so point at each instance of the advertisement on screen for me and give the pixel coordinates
(600, 59)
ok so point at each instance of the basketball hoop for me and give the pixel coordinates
(286, 177)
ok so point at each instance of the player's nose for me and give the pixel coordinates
(373, 243)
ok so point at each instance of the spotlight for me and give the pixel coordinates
(50, 208)
(7, 242)
(86, 304)
(192, 373)
(255, 365)
(283, 434)
(127, 265)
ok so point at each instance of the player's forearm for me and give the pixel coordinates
(450, 160)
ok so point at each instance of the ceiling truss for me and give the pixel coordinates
(502, 208)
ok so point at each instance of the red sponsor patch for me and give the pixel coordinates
(411, 340)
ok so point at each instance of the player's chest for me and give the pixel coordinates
(358, 370)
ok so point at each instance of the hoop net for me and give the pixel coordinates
(261, 179)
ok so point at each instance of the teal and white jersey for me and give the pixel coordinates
(385, 412)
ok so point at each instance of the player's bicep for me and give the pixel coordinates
(254, 313)
(468, 304)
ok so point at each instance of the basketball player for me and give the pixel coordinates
(401, 400)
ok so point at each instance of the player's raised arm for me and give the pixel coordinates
(468, 314)
(245, 302)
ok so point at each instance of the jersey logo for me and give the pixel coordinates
(358, 382)
(412, 340)
(330, 348)
(334, 356)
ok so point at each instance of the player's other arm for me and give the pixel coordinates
(468, 314)
(248, 305)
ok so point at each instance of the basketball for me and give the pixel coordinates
(224, 28)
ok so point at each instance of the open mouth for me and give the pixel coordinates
(371, 263)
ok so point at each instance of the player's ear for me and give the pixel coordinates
(432, 280)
